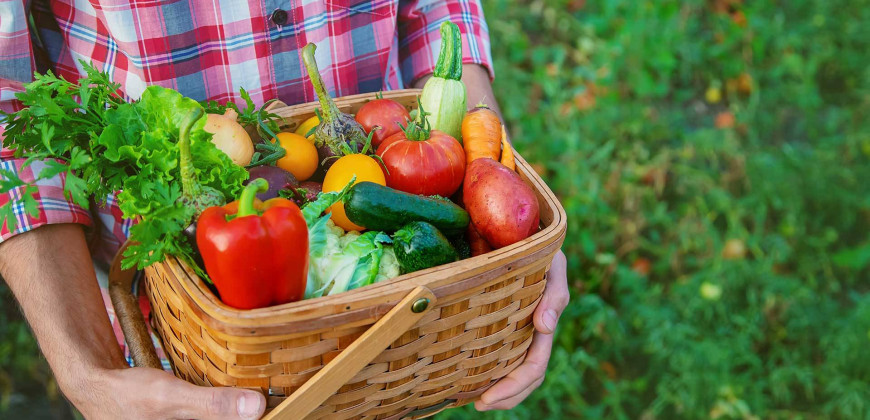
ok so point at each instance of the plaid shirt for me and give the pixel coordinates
(209, 51)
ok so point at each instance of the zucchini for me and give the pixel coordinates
(419, 245)
(444, 94)
(382, 208)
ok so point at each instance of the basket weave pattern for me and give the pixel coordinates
(478, 331)
(455, 352)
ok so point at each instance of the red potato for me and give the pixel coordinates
(503, 208)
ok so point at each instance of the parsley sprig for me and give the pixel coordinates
(266, 123)
(101, 144)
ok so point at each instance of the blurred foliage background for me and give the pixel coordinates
(713, 157)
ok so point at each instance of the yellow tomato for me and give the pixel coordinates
(339, 175)
(301, 158)
(306, 126)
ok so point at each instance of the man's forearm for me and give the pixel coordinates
(51, 274)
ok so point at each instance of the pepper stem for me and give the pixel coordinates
(330, 111)
(449, 64)
(189, 187)
(246, 200)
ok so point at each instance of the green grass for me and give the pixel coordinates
(625, 134)
(717, 270)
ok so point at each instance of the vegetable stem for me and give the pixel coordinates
(418, 130)
(330, 111)
(246, 200)
(189, 187)
(268, 153)
(449, 65)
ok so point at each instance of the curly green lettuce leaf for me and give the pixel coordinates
(103, 145)
(160, 111)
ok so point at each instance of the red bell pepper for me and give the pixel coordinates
(256, 253)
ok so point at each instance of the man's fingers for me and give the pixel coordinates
(187, 401)
(525, 378)
(517, 385)
(509, 403)
(555, 297)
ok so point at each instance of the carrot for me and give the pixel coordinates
(507, 153)
(480, 136)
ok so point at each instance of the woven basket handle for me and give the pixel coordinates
(130, 315)
(355, 357)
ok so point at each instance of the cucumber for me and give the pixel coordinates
(382, 208)
(419, 245)
(462, 247)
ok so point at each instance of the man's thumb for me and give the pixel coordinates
(207, 403)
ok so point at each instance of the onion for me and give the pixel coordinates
(230, 137)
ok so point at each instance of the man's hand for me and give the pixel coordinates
(52, 276)
(514, 388)
(517, 385)
(145, 393)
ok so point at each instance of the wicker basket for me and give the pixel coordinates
(457, 329)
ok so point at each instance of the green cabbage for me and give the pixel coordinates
(342, 261)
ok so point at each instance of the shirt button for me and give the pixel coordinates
(279, 17)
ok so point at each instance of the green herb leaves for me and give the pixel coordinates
(108, 145)
(266, 122)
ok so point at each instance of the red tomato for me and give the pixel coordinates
(426, 167)
(385, 113)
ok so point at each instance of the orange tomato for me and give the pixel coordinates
(301, 158)
(339, 175)
(306, 126)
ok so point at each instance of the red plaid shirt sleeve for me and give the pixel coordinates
(16, 53)
(420, 36)
(16, 67)
(54, 207)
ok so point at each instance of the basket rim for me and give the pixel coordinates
(371, 298)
